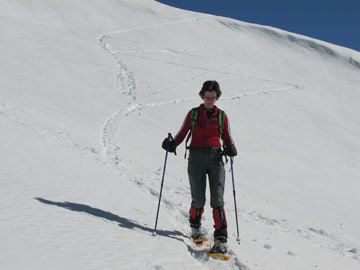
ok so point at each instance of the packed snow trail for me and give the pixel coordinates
(128, 87)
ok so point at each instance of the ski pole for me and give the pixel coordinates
(170, 138)
(236, 215)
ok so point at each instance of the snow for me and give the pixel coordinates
(88, 91)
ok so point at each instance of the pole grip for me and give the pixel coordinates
(170, 137)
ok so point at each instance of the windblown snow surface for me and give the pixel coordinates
(88, 91)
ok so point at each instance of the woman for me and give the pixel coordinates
(205, 159)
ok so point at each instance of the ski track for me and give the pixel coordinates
(318, 237)
(38, 122)
(111, 153)
(127, 85)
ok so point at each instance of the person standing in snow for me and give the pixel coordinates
(205, 159)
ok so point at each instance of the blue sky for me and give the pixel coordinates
(334, 21)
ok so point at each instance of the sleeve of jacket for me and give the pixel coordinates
(180, 136)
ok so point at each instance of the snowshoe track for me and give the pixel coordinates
(112, 154)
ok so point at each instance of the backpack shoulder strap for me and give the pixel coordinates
(193, 119)
(221, 123)
(221, 130)
(194, 116)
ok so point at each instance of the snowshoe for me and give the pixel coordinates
(219, 250)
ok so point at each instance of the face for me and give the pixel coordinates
(209, 98)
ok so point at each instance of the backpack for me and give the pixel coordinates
(193, 119)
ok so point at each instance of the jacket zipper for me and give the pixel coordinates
(207, 128)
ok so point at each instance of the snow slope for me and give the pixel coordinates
(88, 91)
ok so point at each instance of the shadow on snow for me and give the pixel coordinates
(123, 222)
(129, 224)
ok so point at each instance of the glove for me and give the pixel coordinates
(171, 143)
(230, 151)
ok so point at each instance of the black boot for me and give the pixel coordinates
(220, 240)
(219, 246)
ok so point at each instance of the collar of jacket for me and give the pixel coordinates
(202, 108)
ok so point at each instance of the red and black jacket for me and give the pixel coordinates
(206, 130)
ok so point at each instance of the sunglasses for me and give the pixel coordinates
(210, 98)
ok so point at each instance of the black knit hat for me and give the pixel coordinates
(210, 86)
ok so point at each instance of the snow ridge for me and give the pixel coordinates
(310, 44)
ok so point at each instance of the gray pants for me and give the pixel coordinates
(204, 162)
